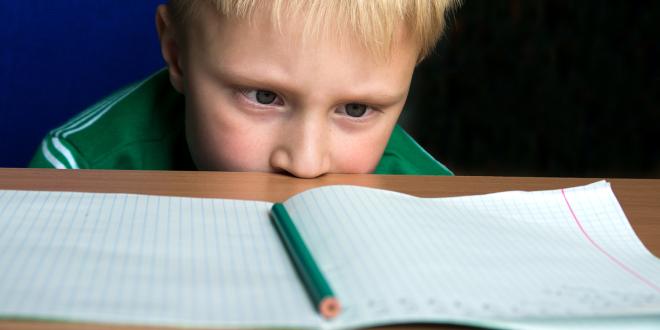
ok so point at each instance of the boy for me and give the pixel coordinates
(300, 87)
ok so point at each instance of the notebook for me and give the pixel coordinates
(537, 260)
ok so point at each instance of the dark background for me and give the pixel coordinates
(534, 87)
(544, 88)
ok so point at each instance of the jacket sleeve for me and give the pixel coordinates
(56, 152)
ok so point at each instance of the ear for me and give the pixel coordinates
(169, 47)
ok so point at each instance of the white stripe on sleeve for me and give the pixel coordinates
(65, 152)
(49, 157)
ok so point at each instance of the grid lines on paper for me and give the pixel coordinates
(151, 260)
(337, 248)
(617, 261)
(35, 255)
(84, 238)
(514, 254)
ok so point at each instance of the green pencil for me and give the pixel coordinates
(317, 286)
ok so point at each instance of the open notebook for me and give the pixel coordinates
(515, 259)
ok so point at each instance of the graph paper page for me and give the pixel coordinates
(136, 259)
(505, 259)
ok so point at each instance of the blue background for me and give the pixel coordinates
(58, 57)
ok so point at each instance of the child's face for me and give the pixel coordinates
(260, 100)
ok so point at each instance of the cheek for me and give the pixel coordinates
(361, 156)
(220, 139)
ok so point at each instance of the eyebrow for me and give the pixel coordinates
(272, 82)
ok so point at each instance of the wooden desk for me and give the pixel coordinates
(639, 198)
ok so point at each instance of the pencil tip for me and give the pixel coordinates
(329, 307)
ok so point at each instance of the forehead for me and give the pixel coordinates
(257, 53)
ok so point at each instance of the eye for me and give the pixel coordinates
(261, 96)
(265, 97)
(356, 109)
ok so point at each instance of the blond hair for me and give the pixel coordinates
(373, 22)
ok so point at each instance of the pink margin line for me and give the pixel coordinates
(612, 258)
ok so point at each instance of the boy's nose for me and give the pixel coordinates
(302, 152)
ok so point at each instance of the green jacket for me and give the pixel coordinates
(141, 127)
